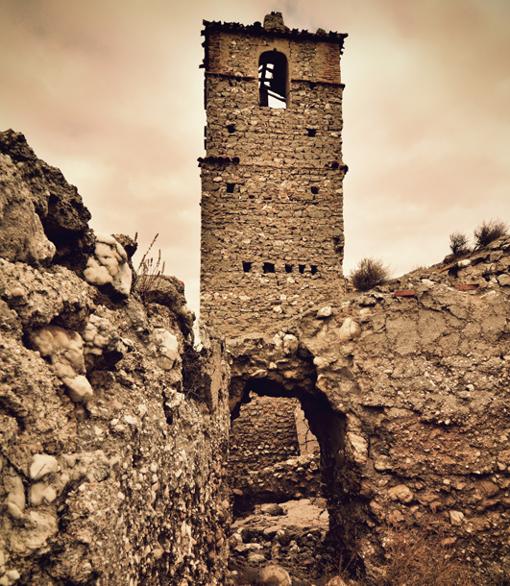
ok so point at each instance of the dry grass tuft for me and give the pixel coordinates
(489, 231)
(415, 560)
(368, 274)
(459, 244)
(149, 270)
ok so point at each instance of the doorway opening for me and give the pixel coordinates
(286, 474)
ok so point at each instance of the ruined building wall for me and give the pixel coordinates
(264, 433)
(418, 370)
(273, 454)
(113, 430)
(271, 180)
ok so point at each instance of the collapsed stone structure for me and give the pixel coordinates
(406, 389)
(266, 433)
(273, 454)
(113, 428)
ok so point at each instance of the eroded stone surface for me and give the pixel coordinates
(64, 348)
(422, 383)
(57, 203)
(275, 575)
(125, 487)
(109, 265)
(21, 233)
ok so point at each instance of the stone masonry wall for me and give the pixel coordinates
(271, 180)
(264, 433)
(419, 372)
(266, 460)
(113, 429)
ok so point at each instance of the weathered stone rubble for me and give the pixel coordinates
(272, 458)
(289, 479)
(290, 535)
(113, 429)
(263, 434)
(109, 265)
(17, 209)
(418, 373)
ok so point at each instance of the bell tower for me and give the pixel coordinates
(272, 214)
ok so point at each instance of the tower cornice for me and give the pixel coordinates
(256, 29)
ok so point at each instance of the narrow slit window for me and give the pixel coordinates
(230, 187)
(231, 128)
(268, 267)
(314, 189)
(246, 266)
(311, 131)
(273, 79)
(314, 270)
(302, 269)
(288, 268)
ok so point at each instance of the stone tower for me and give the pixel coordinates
(272, 225)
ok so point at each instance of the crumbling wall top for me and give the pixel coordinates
(274, 26)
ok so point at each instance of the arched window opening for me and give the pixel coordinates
(273, 79)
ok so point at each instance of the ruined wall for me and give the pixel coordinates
(113, 429)
(419, 373)
(266, 461)
(264, 433)
(294, 478)
(271, 179)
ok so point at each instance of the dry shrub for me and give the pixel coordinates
(489, 231)
(149, 270)
(368, 274)
(416, 560)
(459, 244)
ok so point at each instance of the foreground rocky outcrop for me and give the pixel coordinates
(113, 428)
(43, 199)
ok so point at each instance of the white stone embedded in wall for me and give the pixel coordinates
(348, 330)
(168, 348)
(64, 348)
(42, 465)
(109, 266)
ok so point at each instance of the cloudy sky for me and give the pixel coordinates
(110, 91)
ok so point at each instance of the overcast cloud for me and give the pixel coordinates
(111, 93)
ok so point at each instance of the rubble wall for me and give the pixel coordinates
(419, 370)
(263, 434)
(271, 180)
(113, 428)
(265, 459)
